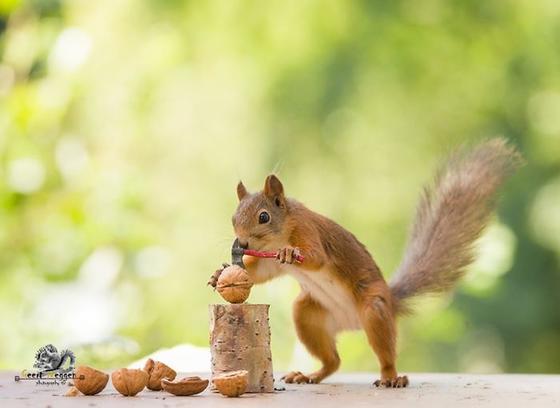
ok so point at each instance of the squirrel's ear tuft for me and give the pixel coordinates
(241, 191)
(273, 189)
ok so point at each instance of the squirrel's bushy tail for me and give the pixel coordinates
(451, 215)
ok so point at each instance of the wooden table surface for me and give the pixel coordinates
(340, 391)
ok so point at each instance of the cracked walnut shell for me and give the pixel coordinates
(185, 386)
(231, 384)
(234, 284)
(90, 381)
(72, 392)
(129, 381)
(156, 372)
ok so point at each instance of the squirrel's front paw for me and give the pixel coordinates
(288, 255)
(216, 275)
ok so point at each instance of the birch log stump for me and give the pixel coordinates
(240, 340)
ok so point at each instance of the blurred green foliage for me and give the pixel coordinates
(125, 126)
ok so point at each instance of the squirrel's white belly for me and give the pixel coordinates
(333, 296)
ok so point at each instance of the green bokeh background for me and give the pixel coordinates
(125, 126)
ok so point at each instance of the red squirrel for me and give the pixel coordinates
(342, 287)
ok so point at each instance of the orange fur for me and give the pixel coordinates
(341, 285)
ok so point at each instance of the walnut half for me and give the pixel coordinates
(129, 381)
(89, 380)
(185, 386)
(232, 383)
(156, 372)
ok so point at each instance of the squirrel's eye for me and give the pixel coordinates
(264, 217)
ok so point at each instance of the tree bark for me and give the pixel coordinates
(240, 340)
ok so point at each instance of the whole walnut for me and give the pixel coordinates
(234, 284)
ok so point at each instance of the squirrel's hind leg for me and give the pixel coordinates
(313, 323)
(379, 324)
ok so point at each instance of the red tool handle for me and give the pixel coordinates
(267, 254)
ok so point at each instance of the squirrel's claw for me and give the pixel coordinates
(397, 382)
(213, 281)
(288, 255)
(296, 377)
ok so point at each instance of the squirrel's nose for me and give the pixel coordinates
(243, 243)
